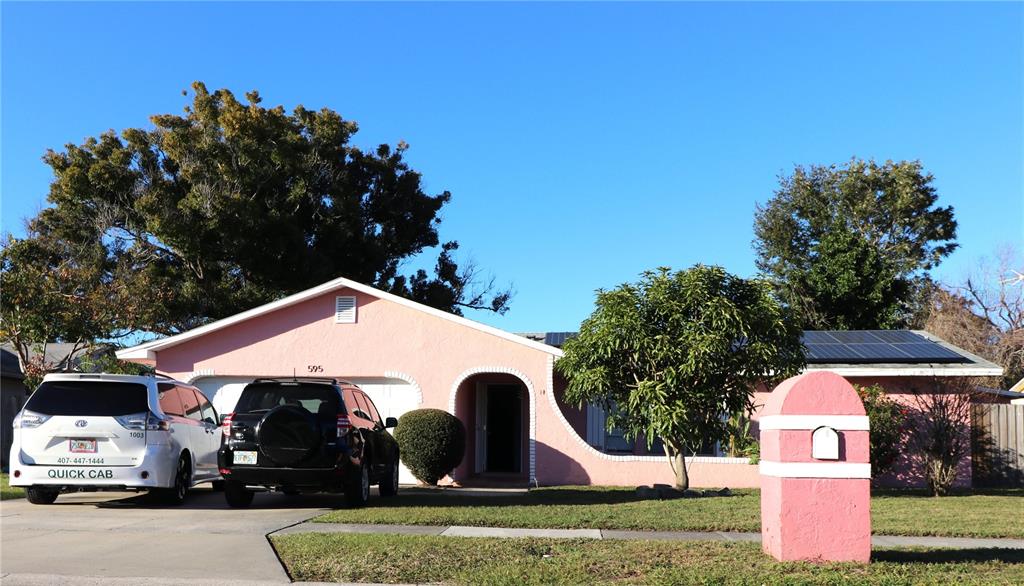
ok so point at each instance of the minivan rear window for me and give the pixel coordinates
(312, 398)
(98, 398)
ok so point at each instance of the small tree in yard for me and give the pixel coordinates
(941, 432)
(888, 420)
(668, 356)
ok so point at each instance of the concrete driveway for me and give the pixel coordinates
(110, 538)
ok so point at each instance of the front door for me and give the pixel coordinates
(503, 428)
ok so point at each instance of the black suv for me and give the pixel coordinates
(306, 435)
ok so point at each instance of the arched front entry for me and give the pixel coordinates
(497, 406)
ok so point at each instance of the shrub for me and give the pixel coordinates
(888, 419)
(431, 442)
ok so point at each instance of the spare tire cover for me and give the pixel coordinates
(287, 434)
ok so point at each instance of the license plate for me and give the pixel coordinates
(245, 458)
(82, 446)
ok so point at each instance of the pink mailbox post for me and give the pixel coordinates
(815, 471)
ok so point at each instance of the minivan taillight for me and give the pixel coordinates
(143, 421)
(29, 419)
(225, 424)
(344, 425)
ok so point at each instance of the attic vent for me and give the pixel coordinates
(345, 310)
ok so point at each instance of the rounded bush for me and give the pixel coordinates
(432, 443)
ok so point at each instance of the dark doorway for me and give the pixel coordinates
(504, 428)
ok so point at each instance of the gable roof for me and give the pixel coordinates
(869, 353)
(148, 350)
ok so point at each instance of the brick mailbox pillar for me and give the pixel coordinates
(815, 471)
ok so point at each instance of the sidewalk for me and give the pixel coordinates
(458, 531)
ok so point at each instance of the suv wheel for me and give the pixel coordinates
(41, 496)
(357, 493)
(182, 482)
(236, 494)
(389, 484)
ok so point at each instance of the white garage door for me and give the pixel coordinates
(393, 397)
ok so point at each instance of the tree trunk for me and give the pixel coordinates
(677, 460)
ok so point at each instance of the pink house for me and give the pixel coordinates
(503, 386)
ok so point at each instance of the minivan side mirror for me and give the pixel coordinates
(209, 421)
(390, 422)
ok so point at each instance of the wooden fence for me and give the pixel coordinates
(998, 445)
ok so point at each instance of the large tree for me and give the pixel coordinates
(232, 205)
(849, 247)
(984, 312)
(668, 356)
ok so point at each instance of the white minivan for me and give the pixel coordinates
(85, 432)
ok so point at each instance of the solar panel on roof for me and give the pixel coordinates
(814, 337)
(875, 347)
(880, 352)
(898, 336)
(856, 337)
(558, 338)
(931, 352)
(827, 353)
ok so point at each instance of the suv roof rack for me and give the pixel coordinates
(311, 379)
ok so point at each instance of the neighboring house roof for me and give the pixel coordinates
(148, 350)
(870, 353)
(10, 365)
(1001, 393)
(1019, 387)
(57, 354)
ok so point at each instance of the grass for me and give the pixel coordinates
(6, 492)
(420, 559)
(997, 513)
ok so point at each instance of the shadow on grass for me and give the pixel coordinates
(421, 497)
(920, 492)
(948, 556)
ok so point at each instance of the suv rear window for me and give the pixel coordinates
(266, 396)
(98, 398)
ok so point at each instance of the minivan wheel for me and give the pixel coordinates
(236, 494)
(182, 480)
(389, 484)
(41, 496)
(358, 492)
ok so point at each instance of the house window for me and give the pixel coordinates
(345, 310)
(614, 442)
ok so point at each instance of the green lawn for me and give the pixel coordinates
(419, 559)
(6, 492)
(988, 514)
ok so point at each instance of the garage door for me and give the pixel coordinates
(393, 397)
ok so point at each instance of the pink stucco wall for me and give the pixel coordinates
(439, 356)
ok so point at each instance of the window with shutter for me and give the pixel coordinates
(345, 310)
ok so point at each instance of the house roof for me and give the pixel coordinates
(147, 351)
(1019, 387)
(56, 355)
(10, 365)
(870, 353)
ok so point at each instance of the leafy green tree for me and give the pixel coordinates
(54, 294)
(849, 247)
(668, 356)
(232, 205)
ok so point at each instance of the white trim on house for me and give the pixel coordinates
(553, 402)
(811, 422)
(148, 350)
(815, 469)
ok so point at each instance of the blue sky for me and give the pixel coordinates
(582, 143)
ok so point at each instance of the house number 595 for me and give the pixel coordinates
(315, 368)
